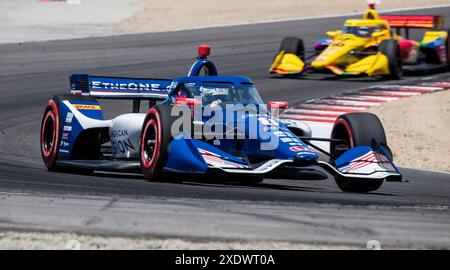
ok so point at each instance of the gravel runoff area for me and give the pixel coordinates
(164, 15)
(417, 130)
(17, 240)
(39, 20)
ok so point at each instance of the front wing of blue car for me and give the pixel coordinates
(197, 157)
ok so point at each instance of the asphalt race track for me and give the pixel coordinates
(411, 214)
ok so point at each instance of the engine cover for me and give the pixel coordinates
(125, 135)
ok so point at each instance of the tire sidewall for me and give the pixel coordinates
(152, 120)
(160, 114)
(362, 128)
(293, 45)
(447, 47)
(49, 157)
(391, 49)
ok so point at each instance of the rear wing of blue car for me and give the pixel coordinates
(119, 88)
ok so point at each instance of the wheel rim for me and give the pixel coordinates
(48, 133)
(149, 143)
(343, 133)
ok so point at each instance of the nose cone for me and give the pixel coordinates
(320, 62)
(336, 52)
(330, 56)
(306, 158)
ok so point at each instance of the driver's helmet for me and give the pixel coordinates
(364, 31)
(216, 94)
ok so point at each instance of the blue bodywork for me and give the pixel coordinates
(262, 148)
(71, 126)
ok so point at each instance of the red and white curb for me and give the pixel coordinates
(321, 113)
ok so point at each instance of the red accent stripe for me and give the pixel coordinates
(413, 21)
(445, 85)
(363, 163)
(368, 154)
(279, 70)
(354, 163)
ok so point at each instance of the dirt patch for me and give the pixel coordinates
(60, 241)
(417, 130)
(163, 15)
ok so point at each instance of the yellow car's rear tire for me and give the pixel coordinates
(447, 47)
(391, 49)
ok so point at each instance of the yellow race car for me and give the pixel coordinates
(368, 46)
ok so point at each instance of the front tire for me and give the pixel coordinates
(357, 129)
(391, 49)
(293, 45)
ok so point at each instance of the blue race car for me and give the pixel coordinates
(205, 126)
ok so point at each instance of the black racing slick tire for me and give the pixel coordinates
(357, 129)
(447, 47)
(155, 139)
(51, 132)
(391, 49)
(293, 45)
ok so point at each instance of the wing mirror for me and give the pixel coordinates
(377, 34)
(334, 34)
(277, 104)
(186, 101)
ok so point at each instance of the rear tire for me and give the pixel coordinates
(293, 45)
(50, 134)
(391, 49)
(155, 138)
(357, 129)
(447, 46)
(51, 131)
